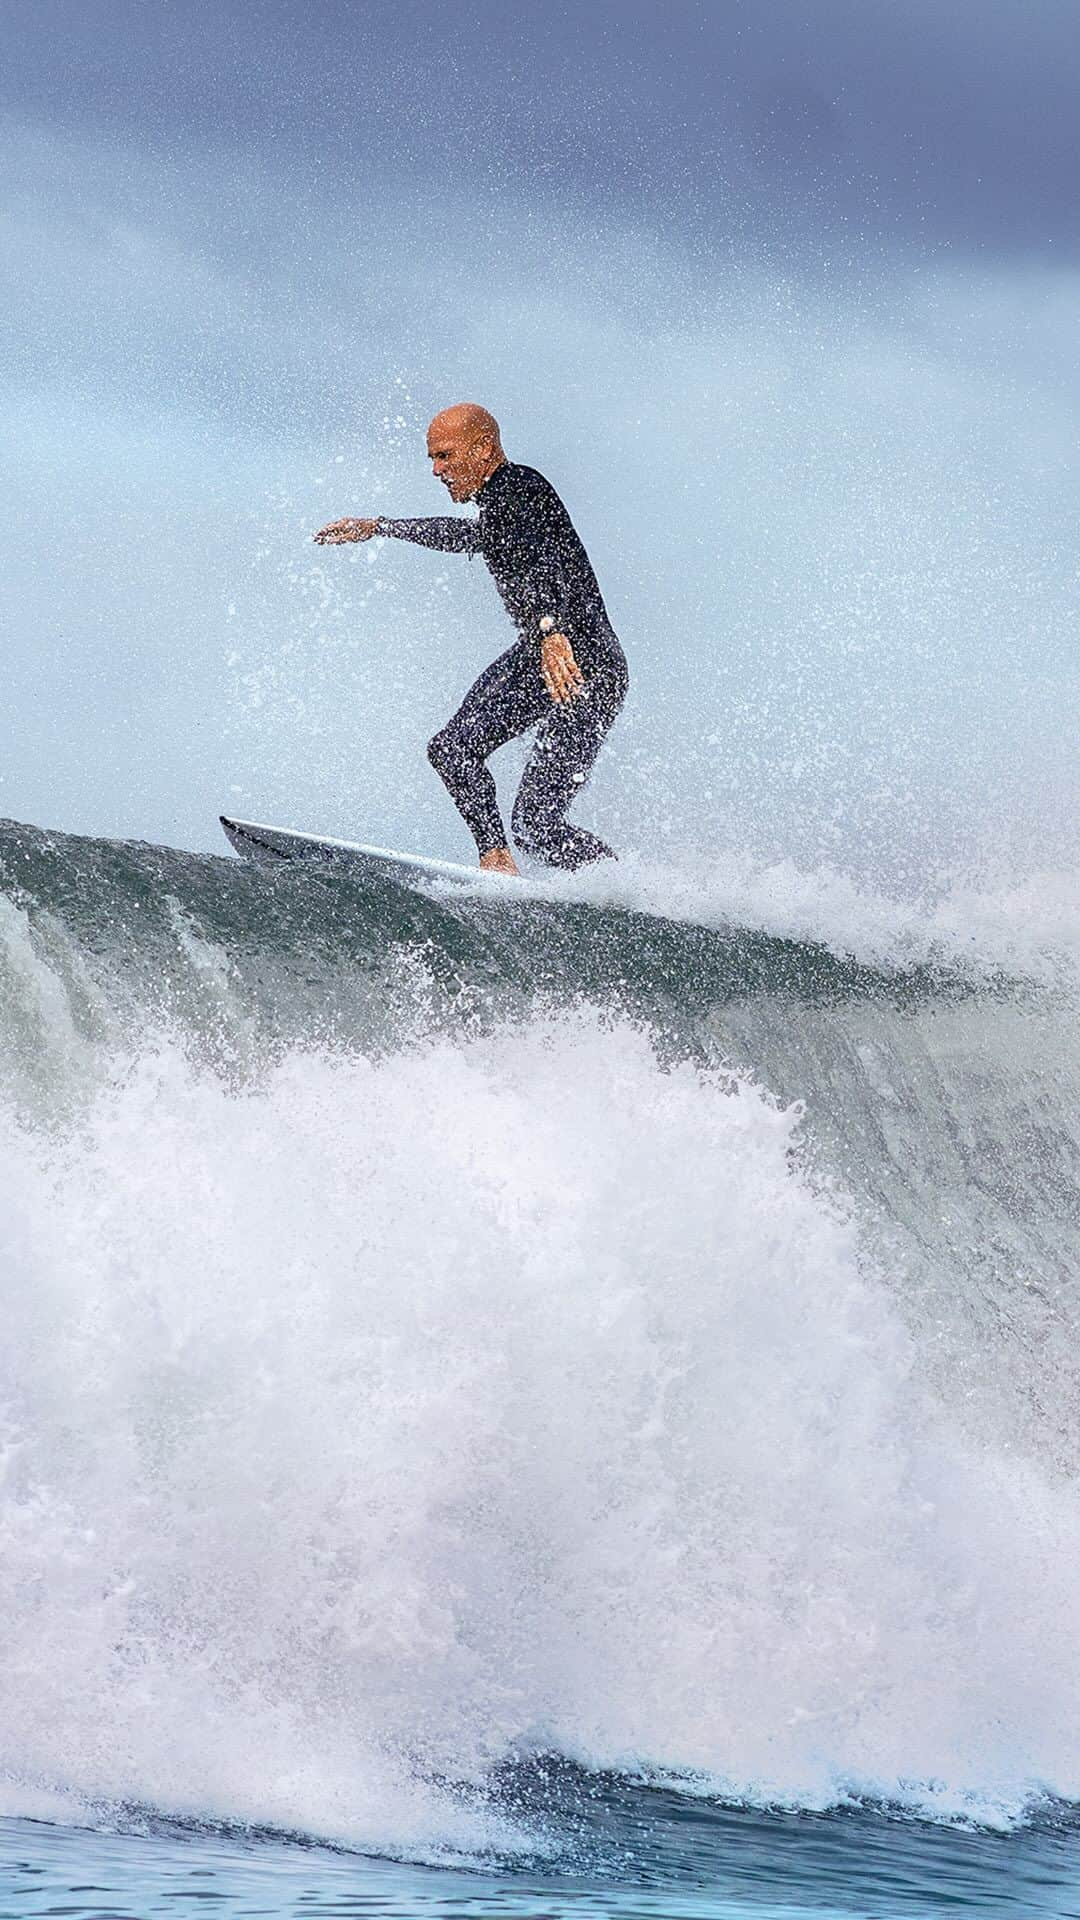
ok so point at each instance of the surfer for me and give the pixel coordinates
(566, 672)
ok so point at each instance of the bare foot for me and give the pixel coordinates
(499, 860)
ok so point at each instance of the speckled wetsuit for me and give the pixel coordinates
(543, 574)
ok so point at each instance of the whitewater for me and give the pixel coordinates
(484, 1381)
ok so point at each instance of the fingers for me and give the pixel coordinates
(563, 686)
(340, 532)
(562, 675)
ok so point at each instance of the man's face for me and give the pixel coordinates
(460, 457)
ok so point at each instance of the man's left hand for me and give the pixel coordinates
(562, 675)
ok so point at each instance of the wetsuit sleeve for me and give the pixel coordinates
(447, 535)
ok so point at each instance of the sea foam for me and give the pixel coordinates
(378, 1419)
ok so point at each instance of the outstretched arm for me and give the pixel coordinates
(449, 536)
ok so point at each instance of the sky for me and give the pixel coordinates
(906, 119)
(783, 297)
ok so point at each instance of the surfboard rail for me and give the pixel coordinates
(258, 841)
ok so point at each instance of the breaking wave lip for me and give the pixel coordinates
(636, 937)
(1028, 929)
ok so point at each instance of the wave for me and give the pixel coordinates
(433, 1342)
(132, 935)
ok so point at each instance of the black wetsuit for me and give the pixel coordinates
(543, 574)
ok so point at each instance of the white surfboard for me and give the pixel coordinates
(271, 845)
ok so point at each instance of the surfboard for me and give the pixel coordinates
(271, 845)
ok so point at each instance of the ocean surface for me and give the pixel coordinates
(553, 1404)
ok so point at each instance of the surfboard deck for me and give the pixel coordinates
(271, 845)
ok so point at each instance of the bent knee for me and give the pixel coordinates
(443, 751)
(455, 756)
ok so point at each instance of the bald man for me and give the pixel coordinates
(565, 673)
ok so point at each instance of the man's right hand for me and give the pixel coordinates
(340, 532)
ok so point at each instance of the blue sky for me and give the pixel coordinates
(783, 297)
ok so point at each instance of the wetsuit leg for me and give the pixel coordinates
(569, 739)
(509, 697)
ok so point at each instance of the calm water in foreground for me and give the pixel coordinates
(651, 1854)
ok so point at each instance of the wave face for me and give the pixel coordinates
(442, 1332)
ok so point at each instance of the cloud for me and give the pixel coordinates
(887, 123)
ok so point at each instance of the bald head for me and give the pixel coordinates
(469, 419)
(465, 448)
